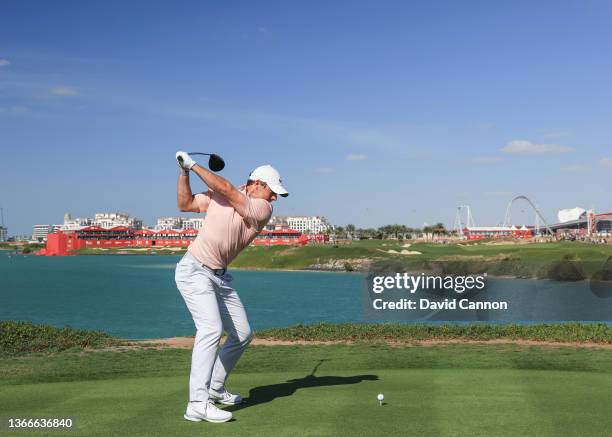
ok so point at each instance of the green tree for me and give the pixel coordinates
(350, 229)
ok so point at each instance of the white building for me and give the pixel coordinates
(305, 224)
(104, 220)
(193, 223)
(71, 224)
(109, 220)
(569, 215)
(40, 232)
(166, 223)
(276, 222)
(3, 234)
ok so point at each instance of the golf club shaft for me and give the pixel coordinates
(215, 162)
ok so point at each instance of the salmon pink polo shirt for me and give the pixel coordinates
(226, 231)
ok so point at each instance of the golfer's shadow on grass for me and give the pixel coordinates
(267, 393)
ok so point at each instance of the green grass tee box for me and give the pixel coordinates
(325, 390)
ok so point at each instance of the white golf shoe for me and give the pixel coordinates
(199, 411)
(224, 397)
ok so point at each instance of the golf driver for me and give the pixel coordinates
(215, 162)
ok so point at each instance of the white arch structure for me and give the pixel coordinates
(508, 218)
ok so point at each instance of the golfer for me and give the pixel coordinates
(233, 219)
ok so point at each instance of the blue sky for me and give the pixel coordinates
(374, 112)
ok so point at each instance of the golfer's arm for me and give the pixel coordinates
(221, 186)
(184, 197)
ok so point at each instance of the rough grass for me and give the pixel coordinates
(18, 337)
(564, 332)
(529, 260)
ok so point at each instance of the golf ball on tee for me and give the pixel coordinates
(381, 397)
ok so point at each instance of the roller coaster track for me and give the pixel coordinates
(508, 218)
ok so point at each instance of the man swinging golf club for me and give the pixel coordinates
(234, 218)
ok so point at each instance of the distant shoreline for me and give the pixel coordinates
(564, 261)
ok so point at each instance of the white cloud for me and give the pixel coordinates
(4, 62)
(356, 157)
(577, 168)
(324, 170)
(63, 91)
(606, 162)
(485, 159)
(524, 147)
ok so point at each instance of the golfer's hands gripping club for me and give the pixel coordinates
(184, 161)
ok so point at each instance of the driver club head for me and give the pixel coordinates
(216, 163)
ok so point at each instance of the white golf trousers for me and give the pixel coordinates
(215, 307)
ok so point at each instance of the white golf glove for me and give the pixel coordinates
(184, 161)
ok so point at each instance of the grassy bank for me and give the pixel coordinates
(382, 250)
(529, 260)
(21, 247)
(565, 332)
(18, 337)
(558, 261)
(22, 338)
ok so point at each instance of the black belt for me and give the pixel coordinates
(216, 272)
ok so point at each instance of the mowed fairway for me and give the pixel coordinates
(326, 390)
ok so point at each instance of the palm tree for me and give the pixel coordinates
(435, 230)
(329, 234)
(369, 233)
(440, 229)
(350, 230)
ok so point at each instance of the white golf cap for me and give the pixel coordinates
(269, 175)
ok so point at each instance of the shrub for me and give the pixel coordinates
(569, 269)
(18, 337)
(406, 333)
